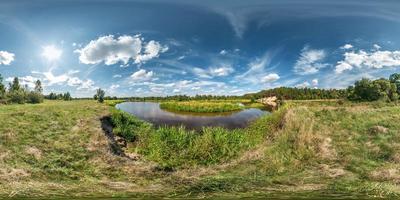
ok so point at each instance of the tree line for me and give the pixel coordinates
(363, 90)
(373, 90)
(17, 93)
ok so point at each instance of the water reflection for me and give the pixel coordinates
(151, 112)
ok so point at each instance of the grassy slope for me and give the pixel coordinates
(58, 148)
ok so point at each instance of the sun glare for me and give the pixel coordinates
(51, 53)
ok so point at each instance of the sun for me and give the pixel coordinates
(51, 53)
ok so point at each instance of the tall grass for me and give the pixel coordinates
(177, 146)
(201, 106)
(113, 102)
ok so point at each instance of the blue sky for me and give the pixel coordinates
(160, 47)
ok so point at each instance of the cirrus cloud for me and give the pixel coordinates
(309, 61)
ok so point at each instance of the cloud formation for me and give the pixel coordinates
(26, 80)
(68, 79)
(6, 58)
(112, 50)
(309, 61)
(362, 59)
(213, 71)
(142, 75)
(270, 78)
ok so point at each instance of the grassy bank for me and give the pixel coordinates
(200, 106)
(58, 149)
(178, 147)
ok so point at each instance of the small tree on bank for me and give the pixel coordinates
(100, 95)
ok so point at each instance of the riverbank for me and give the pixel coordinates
(59, 149)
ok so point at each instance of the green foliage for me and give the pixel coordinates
(201, 107)
(34, 97)
(100, 95)
(15, 86)
(113, 102)
(373, 90)
(2, 88)
(17, 96)
(127, 126)
(20, 95)
(67, 96)
(287, 93)
(38, 87)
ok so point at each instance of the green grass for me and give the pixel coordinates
(201, 106)
(308, 149)
(179, 147)
(113, 102)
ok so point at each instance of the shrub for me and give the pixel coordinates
(127, 126)
(17, 96)
(34, 97)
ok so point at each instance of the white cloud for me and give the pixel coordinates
(151, 50)
(213, 71)
(309, 61)
(112, 50)
(114, 86)
(377, 47)
(314, 82)
(176, 91)
(362, 59)
(67, 79)
(117, 76)
(270, 78)
(305, 84)
(142, 75)
(221, 71)
(223, 52)
(26, 80)
(347, 46)
(6, 58)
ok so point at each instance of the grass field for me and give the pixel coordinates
(201, 107)
(319, 148)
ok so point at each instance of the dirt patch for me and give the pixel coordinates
(389, 174)
(376, 130)
(332, 172)
(12, 174)
(35, 152)
(326, 151)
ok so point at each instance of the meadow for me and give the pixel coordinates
(307, 148)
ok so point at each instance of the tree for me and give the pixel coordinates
(38, 87)
(67, 97)
(100, 95)
(2, 88)
(15, 86)
(395, 79)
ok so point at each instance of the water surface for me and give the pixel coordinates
(151, 112)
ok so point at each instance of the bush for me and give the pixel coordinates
(34, 97)
(17, 96)
(127, 126)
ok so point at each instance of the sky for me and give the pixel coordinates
(176, 47)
